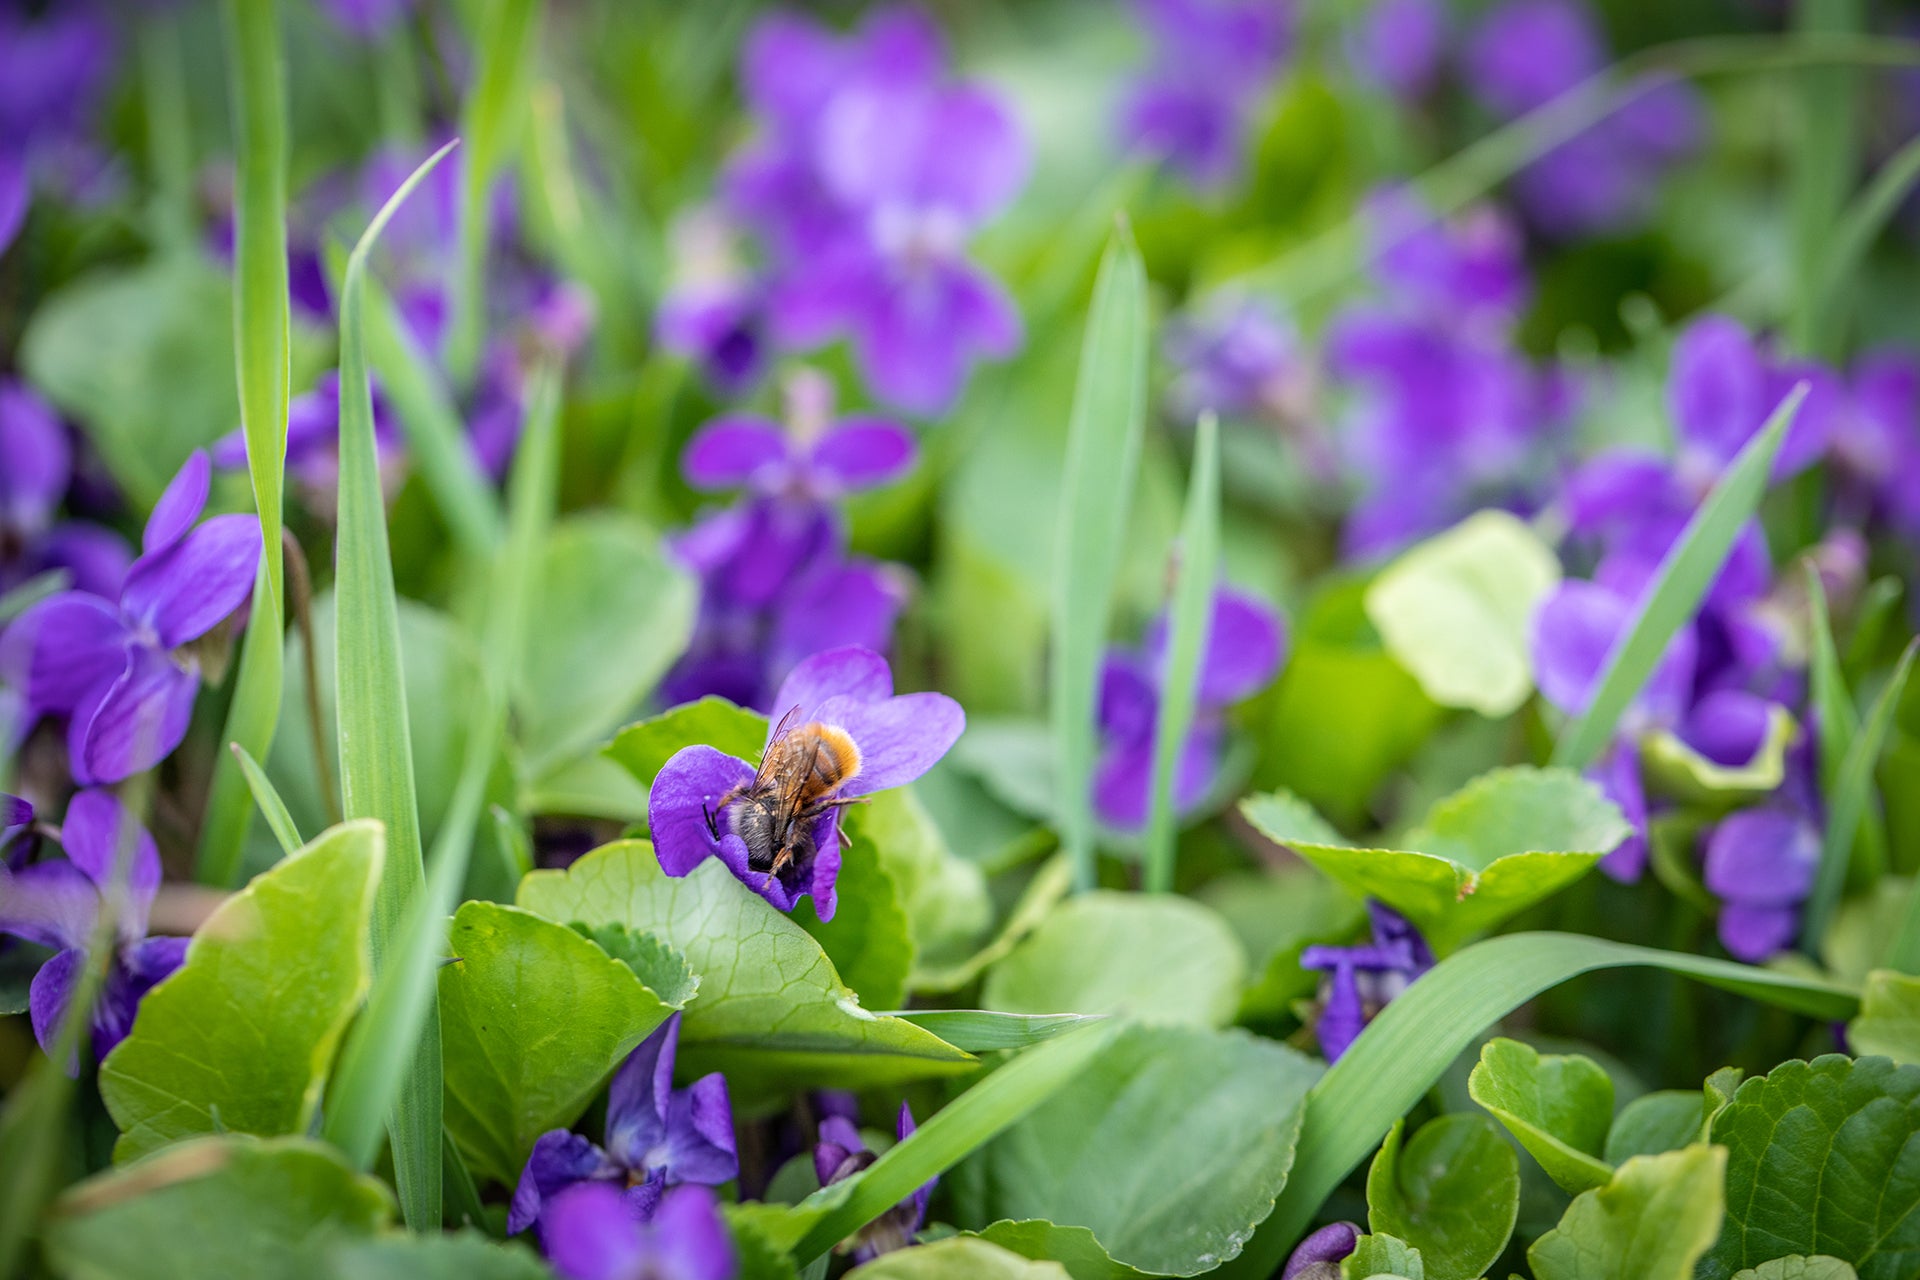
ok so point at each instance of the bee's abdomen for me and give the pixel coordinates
(838, 759)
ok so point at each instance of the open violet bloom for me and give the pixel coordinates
(1761, 862)
(1212, 61)
(1244, 644)
(657, 1137)
(54, 67)
(1363, 979)
(838, 733)
(120, 670)
(36, 467)
(1318, 1257)
(55, 903)
(590, 1233)
(815, 456)
(841, 1153)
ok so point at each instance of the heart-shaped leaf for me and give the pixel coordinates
(1558, 1106)
(1651, 1221)
(1453, 1194)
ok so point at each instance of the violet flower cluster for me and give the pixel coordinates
(869, 170)
(36, 471)
(839, 1154)
(777, 582)
(54, 69)
(1210, 65)
(1362, 979)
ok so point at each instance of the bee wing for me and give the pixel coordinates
(800, 780)
(768, 758)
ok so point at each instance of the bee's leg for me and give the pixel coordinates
(713, 829)
(780, 860)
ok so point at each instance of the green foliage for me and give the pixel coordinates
(1652, 1221)
(959, 1258)
(869, 939)
(242, 1037)
(1075, 1248)
(1822, 1159)
(1889, 1021)
(1558, 1106)
(643, 748)
(1497, 846)
(771, 1011)
(944, 896)
(1796, 1267)
(980, 1030)
(1851, 797)
(1278, 915)
(1453, 1194)
(465, 1255)
(1156, 959)
(1383, 1255)
(1457, 610)
(535, 1018)
(1656, 1122)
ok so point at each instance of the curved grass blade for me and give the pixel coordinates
(1404, 1051)
(376, 752)
(1103, 454)
(1192, 613)
(261, 320)
(983, 1030)
(1855, 233)
(1677, 589)
(272, 807)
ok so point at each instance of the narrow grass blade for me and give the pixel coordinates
(1836, 721)
(376, 753)
(964, 1125)
(1677, 590)
(261, 321)
(1192, 614)
(1103, 454)
(272, 807)
(1404, 1051)
(1855, 233)
(1822, 165)
(1850, 800)
(984, 1030)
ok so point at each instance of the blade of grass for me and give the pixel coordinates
(983, 1030)
(1855, 233)
(1103, 454)
(1848, 802)
(376, 752)
(1403, 1052)
(1822, 166)
(261, 321)
(1192, 615)
(1837, 722)
(1677, 589)
(272, 807)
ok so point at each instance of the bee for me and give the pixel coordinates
(804, 765)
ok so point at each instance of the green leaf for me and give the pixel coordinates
(869, 939)
(1036, 902)
(463, 1255)
(1822, 1159)
(1407, 1047)
(272, 807)
(217, 1206)
(1677, 589)
(1457, 610)
(534, 1018)
(613, 615)
(1847, 805)
(248, 1025)
(1191, 616)
(1075, 1248)
(959, 1258)
(1103, 455)
(1383, 1255)
(982, 1030)
(1834, 717)
(1651, 1222)
(1278, 915)
(1157, 959)
(1558, 1106)
(1453, 1194)
(771, 1011)
(945, 897)
(1654, 1122)
(1500, 844)
(376, 751)
(1170, 1148)
(1889, 1021)
(644, 748)
(1797, 1267)
(1675, 770)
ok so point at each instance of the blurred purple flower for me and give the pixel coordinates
(55, 903)
(119, 670)
(714, 311)
(694, 805)
(1318, 1257)
(367, 20)
(1362, 979)
(1875, 441)
(36, 467)
(53, 68)
(1211, 62)
(1469, 269)
(657, 1137)
(1399, 45)
(841, 1153)
(1723, 385)
(1244, 646)
(815, 457)
(313, 441)
(590, 1233)
(1761, 862)
(1235, 357)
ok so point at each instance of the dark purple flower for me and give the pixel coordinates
(590, 1233)
(1362, 979)
(1244, 645)
(714, 311)
(1761, 862)
(1318, 1257)
(53, 67)
(1235, 357)
(1875, 441)
(1211, 62)
(1575, 630)
(1618, 777)
(841, 1153)
(1398, 45)
(815, 457)
(367, 20)
(1722, 387)
(696, 806)
(120, 671)
(657, 1137)
(56, 903)
(313, 441)
(36, 466)
(1469, 269)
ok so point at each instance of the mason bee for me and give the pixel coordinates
(774, 814)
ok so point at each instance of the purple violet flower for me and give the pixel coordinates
(1761, 862)
(657, 1137)
(55, 903)
(36, 467)
(696, 808)
(841, 1153)
(1212, 60)
(1235, 357)
(714, 311)
(313, 442)
(1244, 646)
(590, 1233)
(1318, 1257)
(1398, 45)
(120, 671)
(53, 68)
(1875, 442)
(816, 457)
(367, 20)
(1364, 978)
